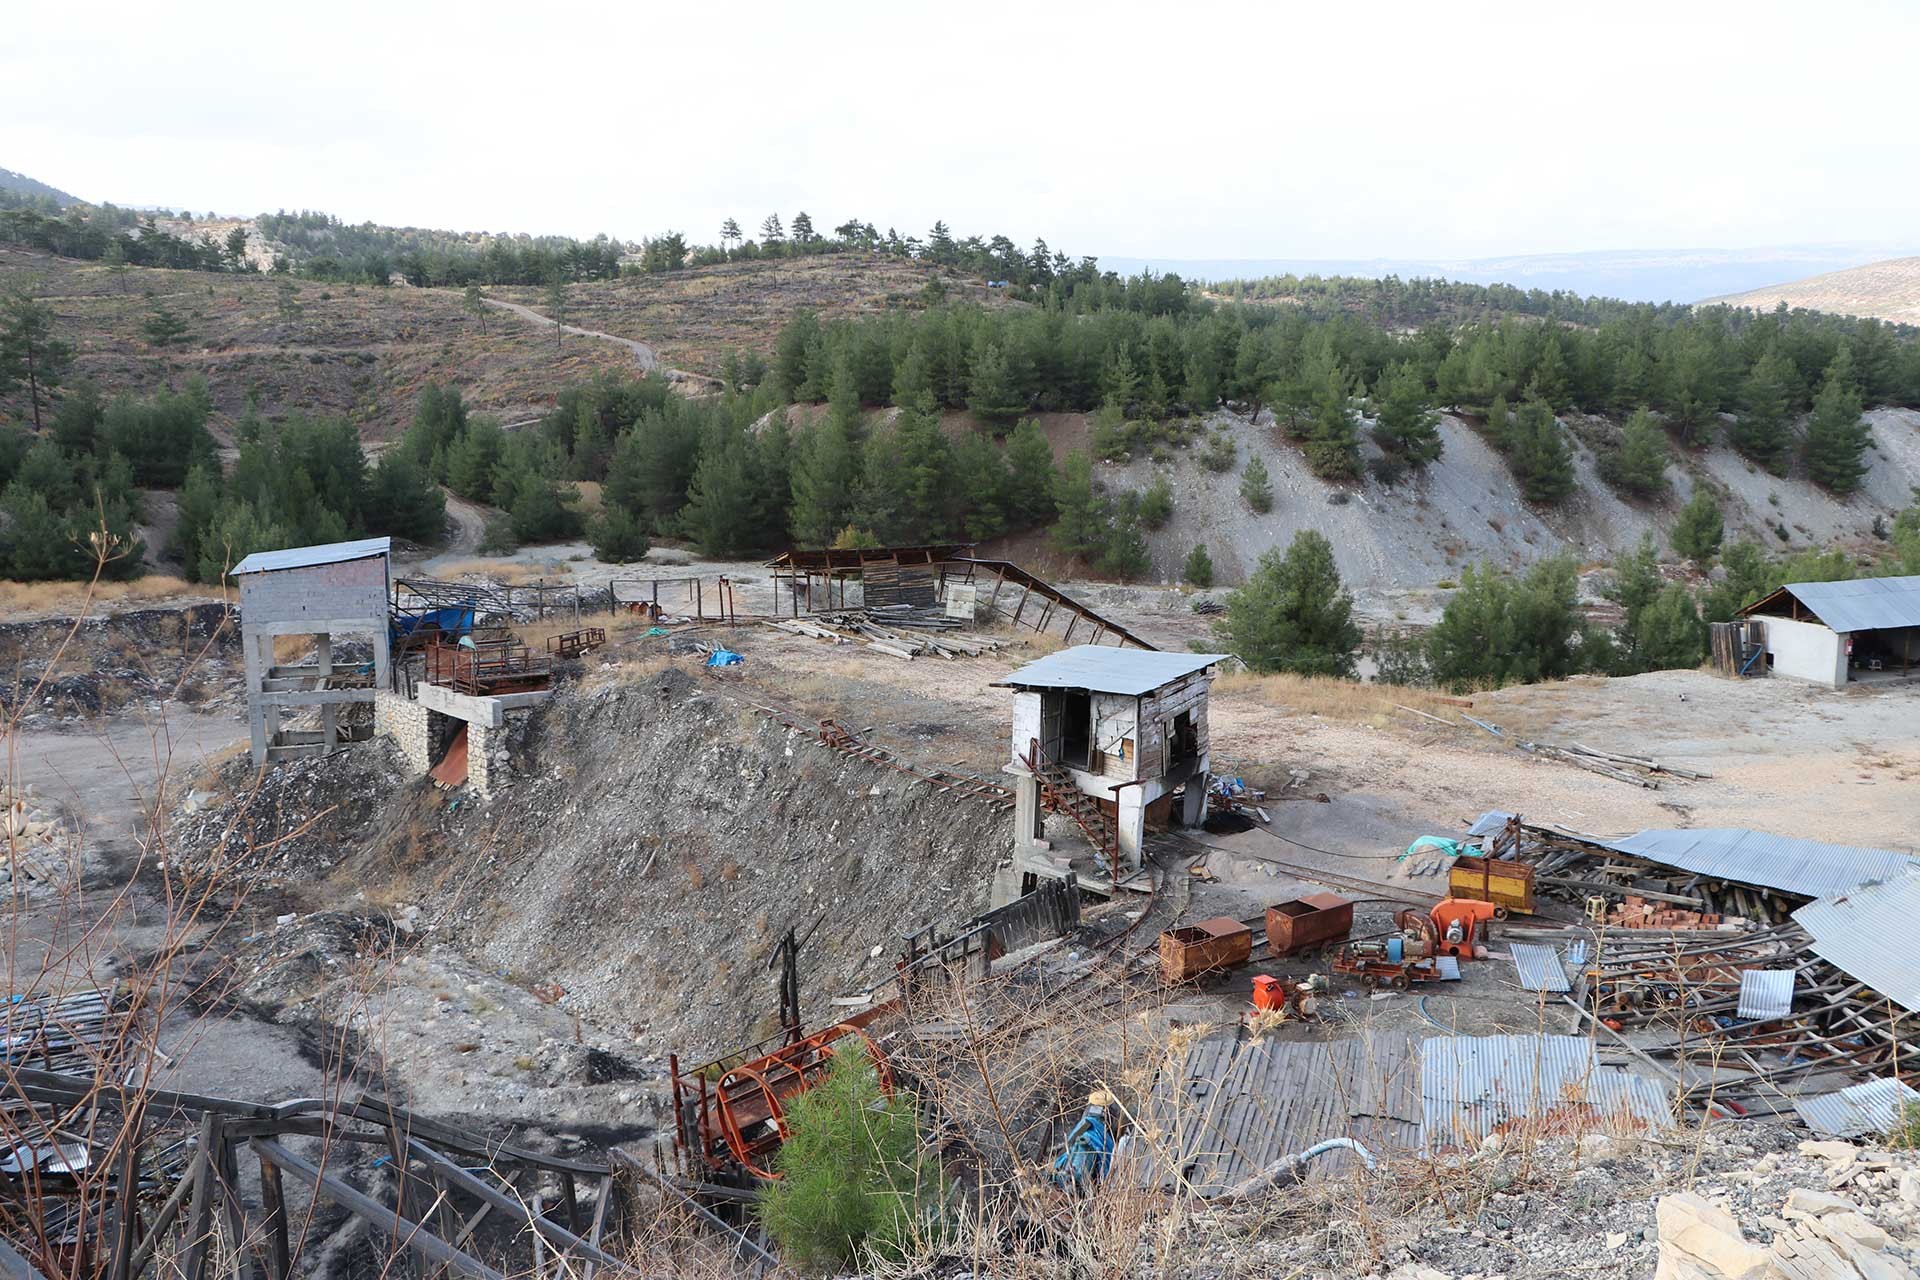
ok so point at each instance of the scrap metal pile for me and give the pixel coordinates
(1756, 973)
(887, 630)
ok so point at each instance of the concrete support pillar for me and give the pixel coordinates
(256, 710)
(323, 661)
(1133, 827)
(1029, 823)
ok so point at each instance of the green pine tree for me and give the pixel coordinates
(1698, 529)
(1638, 464)
(1080, 525)
(1198, 570)
(1030, 476)
(1837, 434)
(1761, 430)
(1256, 490)
(1541, 458)
(1293, 615)
(1406, 423)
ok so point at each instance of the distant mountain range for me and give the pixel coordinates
(21, 184)
(1641, 275)
(1889, 290)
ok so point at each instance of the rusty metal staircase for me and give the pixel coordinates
(1059, 794)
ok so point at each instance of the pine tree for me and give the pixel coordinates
(1405, 420)
(1156, 504)
(1837, 435)
(985, 485)
(1638, 465)
(163, 328)
(1698, 530)
(617, 537)
(1255, 488)
(990, 390)
(1080, 525)
(1030, 476)
(729, 233)
(1198, 570)
(825, 470)
(1670, 634)
(1293, 615)
(771, 232)
(803, 236)
(1500, 424)
(1333, 439)
(1761, 430)
(1541, 459)
(30, 355)
(1124, 555)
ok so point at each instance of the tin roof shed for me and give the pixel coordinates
(308, 557)
(1106, 669)
(1859, 604)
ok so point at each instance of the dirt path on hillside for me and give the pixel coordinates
(643, 353)
(468, 522)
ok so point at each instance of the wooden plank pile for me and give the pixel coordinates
(1573, 870)
(901, 633)
(1641, 771)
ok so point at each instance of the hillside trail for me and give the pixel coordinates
(643, 353)
(469, 524)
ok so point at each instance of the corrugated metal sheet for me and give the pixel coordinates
(1539, 967)
(1106, 669)
(1766, 993)
(1867, 934)
(1448, 967)
(1858, 1111)
(1863, 604)
(1490, 823)
(307, 557)
(1471, 1086)
(1755, 857)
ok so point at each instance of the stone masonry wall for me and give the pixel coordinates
(406, 722)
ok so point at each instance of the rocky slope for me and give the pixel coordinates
(1466, 508)
(1889, 290)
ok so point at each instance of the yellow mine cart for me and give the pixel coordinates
(1507, 885)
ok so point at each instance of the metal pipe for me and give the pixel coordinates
(1288, 1163)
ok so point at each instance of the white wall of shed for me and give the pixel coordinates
(1807, 651)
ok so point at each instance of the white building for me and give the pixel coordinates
(1106, 735)
(1834, 632)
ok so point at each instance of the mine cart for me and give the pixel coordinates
(1204, 947)
(1305, 924)
(1507, 885)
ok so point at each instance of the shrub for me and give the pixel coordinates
(617, 537)
(853, 1181)
(1198, 570)
(1255, 487)
(1156, 504)
(1293, 614)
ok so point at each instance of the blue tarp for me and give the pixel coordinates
(453, 620)
(724, 658)
(1450, 847)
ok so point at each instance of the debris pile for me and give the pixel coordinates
(38, 848)
(935, 634)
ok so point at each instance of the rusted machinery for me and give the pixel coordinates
(1283, 995)
(1203, 947)
(731, 1119)
(1308, 923)
(1456, 927)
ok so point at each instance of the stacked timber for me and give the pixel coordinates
(928, 639)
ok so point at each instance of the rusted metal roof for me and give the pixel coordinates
(1806, 867)
(308, 557)
(1471, 1086)
(1858, 1111)
(1766, 994)
(821, 558)
(1858, 604)
(1539, 967)
(1103, 668)
(1867, 934)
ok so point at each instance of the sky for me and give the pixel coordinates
(1193, 130)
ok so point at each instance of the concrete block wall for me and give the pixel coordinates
(406, 722)
(320, 593)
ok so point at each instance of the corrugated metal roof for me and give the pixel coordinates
(1766, 993)
(1862, 604)
(1107, 669)
(1472, 1085)
(1448, 967)
(1754, 857)
(1858, 1111)
(1539, 967)
(307, 557)
(1867, 933)
(1490, 823)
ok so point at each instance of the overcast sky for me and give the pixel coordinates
(1185, 130)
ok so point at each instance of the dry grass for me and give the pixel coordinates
(17, 598)
(511, 573)
(1347, 700)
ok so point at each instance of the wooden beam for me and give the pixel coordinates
(409, 1235)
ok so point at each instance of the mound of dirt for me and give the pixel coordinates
(56, 673)
(659, 841)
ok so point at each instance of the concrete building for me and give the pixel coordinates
(339, 589)
(1105, 736)
(1867, 629)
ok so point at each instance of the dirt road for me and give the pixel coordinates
(641, 351)
(469, 524)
